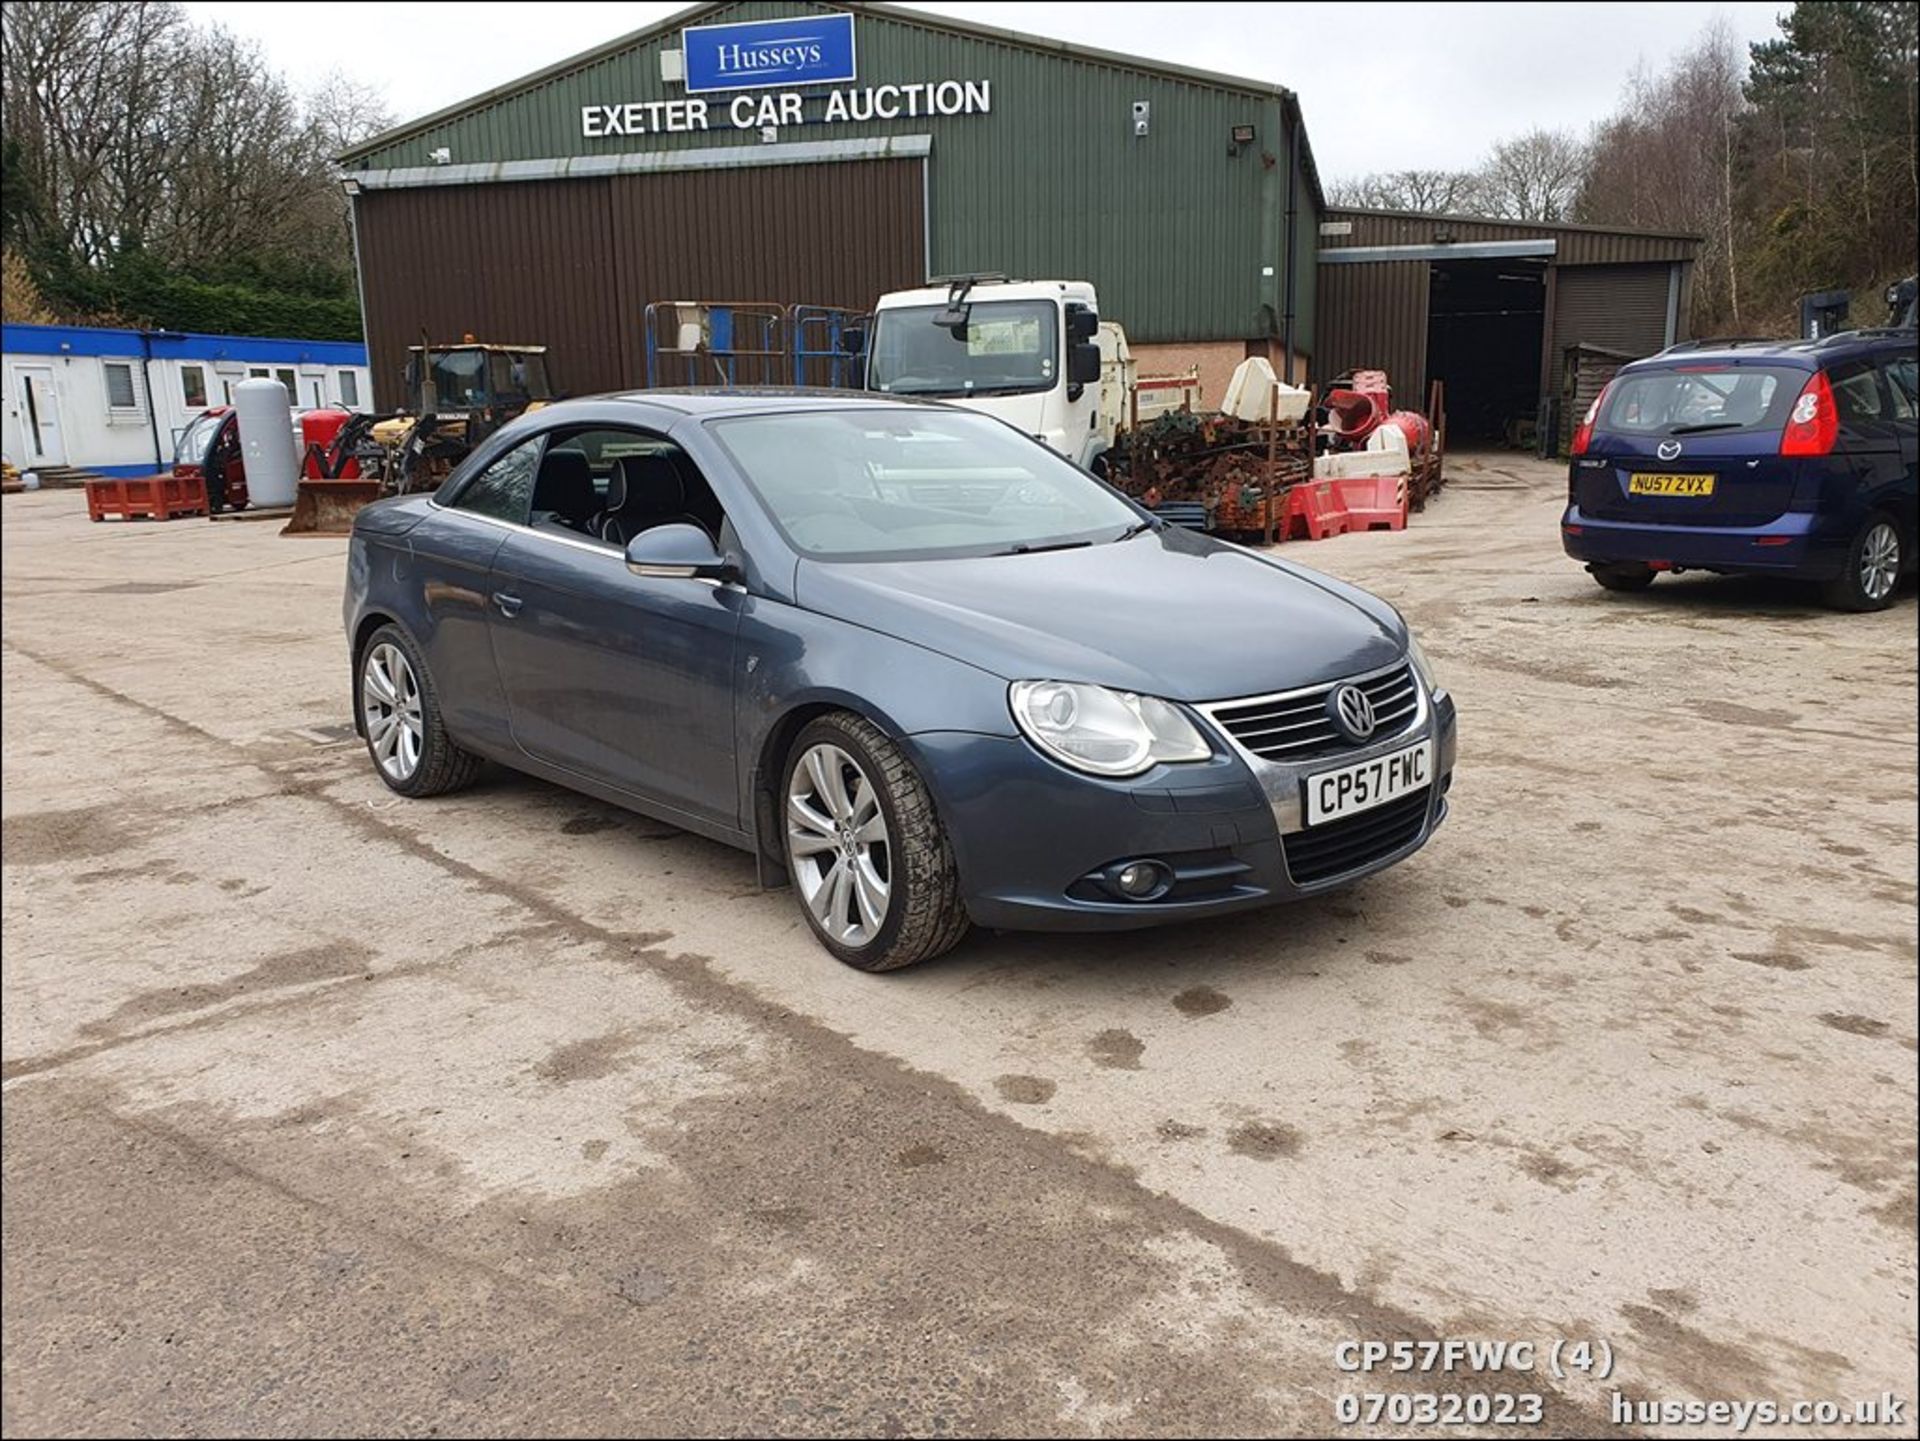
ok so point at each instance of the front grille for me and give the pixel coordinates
(1333, 849)
(1297, 727)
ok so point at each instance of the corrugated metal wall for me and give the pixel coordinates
(1574, 244)
(1172, 228)
(1619, 307)
(523, 264)
(1374, 317)
(573, 263)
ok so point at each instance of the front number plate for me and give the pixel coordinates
(1669, 485)
(1332, 795)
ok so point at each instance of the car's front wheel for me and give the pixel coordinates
(1871, 571)
(1625, 577)
(399, 714)
(868, 856)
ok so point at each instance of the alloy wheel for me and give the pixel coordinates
(838, 845)
(390, 704)
(1880, 562)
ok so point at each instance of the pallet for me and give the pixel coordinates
(149, 497)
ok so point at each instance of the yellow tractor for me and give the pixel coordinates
(457, 395)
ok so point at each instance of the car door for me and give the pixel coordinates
(1902, 371)
(1869, 438)
(623, 679)
(452, 551)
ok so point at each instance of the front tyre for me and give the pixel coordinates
(869, 859)
(399, 714)
(1871, 572)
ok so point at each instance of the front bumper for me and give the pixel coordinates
(1792, 543)
(1030, 836)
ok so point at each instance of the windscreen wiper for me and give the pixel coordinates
(1703, 428)
(1025, 549)
(1131, 531)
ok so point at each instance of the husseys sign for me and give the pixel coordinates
(777, 55)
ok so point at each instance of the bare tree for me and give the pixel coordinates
(1432, 192)
(1535, 176)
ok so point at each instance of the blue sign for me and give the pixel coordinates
(813, 50)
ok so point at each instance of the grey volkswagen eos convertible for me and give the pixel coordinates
(923, 668)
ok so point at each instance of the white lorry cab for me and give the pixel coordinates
(1031, 352)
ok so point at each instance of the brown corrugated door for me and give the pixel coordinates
(573, 264)
(523, 263)
(1373, 316)
(839, 233)
(1615, 307)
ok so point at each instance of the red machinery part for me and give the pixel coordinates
(319, 428)
(1415, 426)
(1353, 415)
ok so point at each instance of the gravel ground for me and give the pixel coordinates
(327, 1112)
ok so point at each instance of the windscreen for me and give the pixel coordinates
(1006, 347)
(194, 440)
(886, 483)
(1698, 399)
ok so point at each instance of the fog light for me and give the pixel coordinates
(1138, 880)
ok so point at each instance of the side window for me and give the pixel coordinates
(349, 390)
(193, 386)
(504, 490)
(611, 484)
(1856, 395)
(1903, 385)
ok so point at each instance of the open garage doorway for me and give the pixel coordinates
(1484, 326)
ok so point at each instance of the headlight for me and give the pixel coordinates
(1421, 664)
(1106, 732)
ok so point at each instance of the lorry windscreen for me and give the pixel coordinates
(1009, 346)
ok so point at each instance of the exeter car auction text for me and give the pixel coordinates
(785, 107)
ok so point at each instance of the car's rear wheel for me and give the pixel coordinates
(1871, 572)
(1626, 577)
(869, 859)
(400, 718)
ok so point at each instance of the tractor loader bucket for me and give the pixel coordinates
(327, 507)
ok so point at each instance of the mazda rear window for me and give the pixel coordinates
(1700, 400)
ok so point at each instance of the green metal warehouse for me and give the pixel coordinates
(556, 208)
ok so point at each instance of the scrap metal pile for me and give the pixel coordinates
(1281, 466)
(1238, 470)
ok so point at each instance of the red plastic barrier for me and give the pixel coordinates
(1373, 502)
(1315, 510)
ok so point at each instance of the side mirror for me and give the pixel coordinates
(1083, 363)
(853, 340)
(1082, 323)
(678, 552)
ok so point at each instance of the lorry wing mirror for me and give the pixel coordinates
(1083, 363)
(954, 320)
(853, 340)
(1082, 323)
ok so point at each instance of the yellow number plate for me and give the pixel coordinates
(1670, 485)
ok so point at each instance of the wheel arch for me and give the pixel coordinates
(769, 767)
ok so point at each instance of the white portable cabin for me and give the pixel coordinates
(114, 402)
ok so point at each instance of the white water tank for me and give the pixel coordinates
(266, 442)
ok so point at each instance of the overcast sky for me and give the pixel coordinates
(1427, 86)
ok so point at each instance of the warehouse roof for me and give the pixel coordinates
(1262, 89)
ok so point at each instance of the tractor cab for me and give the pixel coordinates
(470, 379)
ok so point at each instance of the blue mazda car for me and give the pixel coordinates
(1793, 458)
(926, 671)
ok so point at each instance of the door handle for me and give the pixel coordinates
(509, 604)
